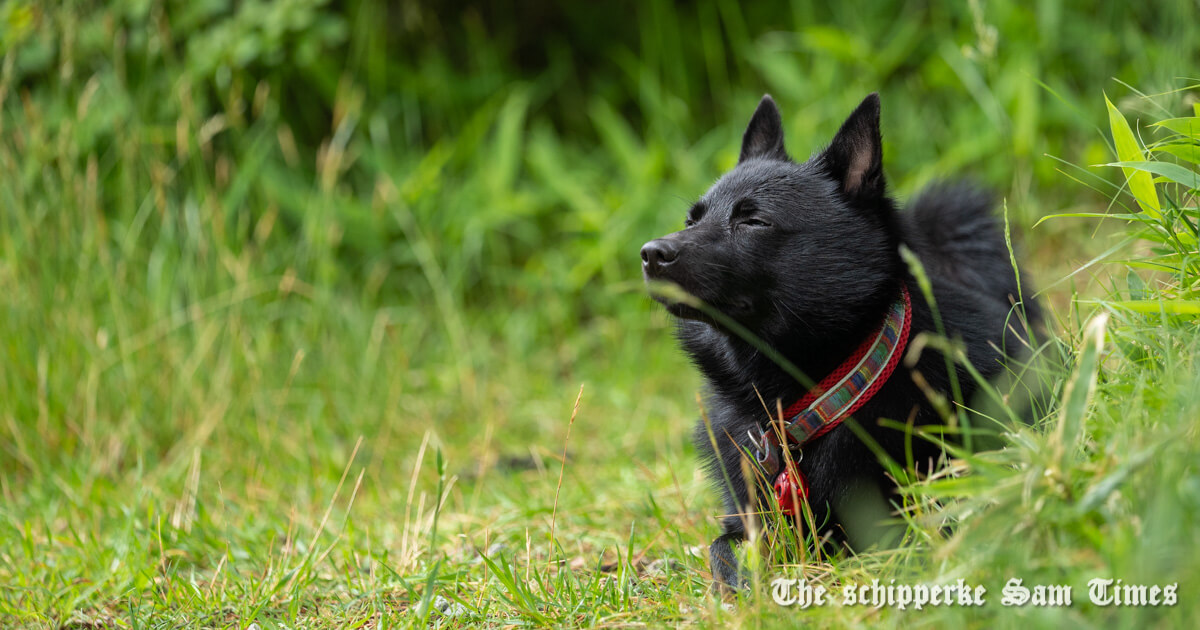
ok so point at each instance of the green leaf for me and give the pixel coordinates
(1189, 127)
(1151, 264)
(1090, 215)
(1171, 307)
(1141, 186)
(1137, 288)
(1183, 151)
(1173, 172)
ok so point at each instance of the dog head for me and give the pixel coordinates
(780, 246)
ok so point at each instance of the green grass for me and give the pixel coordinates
(298, 299)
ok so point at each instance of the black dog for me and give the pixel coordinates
(806, 257)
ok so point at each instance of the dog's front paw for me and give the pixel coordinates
(728, 577)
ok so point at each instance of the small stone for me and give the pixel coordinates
(449, 608)
(662, 566)
(493, 550)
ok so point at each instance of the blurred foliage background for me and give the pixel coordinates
(260, 230)
(434, 208)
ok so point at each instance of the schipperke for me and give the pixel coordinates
(806, 257)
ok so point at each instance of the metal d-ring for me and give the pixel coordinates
(764, 454)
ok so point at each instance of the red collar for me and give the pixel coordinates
(836, 397)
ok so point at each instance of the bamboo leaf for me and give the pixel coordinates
(1173, 172)
(1189, 126)
(1181, 150)
(1090, 215)
(1171, 307)
(1141, 186)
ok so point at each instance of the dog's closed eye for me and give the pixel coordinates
(743, 214)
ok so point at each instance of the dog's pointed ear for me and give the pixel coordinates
(764, 134)
(855, 157)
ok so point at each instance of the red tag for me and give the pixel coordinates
(790, 490)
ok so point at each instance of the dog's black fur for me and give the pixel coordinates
(806, 257)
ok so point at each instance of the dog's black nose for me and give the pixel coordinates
(659, 253)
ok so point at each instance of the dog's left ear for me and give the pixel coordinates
(855, 157)
(764, 134)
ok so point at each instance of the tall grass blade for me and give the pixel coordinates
(1080, 389)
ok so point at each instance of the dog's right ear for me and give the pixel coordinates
(855, 157)
(764, 134)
